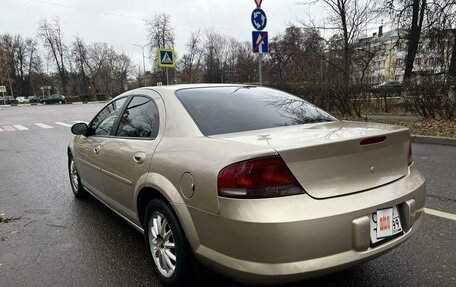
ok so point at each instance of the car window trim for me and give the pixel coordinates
(128, 98)
(117, 121)
(115, 125)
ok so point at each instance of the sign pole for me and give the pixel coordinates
(3, 91)
(166, 60)
(259, 37)
(260, 67)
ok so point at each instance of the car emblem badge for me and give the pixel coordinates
(372, 169)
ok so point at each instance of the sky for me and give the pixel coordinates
(121, 23)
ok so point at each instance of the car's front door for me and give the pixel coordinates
(127, 155)
(89, 148)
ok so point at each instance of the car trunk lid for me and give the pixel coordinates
(336, 158)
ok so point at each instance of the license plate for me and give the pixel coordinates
(384, 223)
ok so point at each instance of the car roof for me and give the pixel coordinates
(191, 86)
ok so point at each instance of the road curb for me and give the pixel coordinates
(91, 102)
(434, 140)
(40, 104)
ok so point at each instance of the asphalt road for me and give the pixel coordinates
(57, 240)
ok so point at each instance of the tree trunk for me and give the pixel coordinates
(452, 68)
(418, 7)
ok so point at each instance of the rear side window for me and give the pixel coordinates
(140, 119)
(222, 110)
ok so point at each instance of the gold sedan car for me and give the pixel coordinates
(251, 182)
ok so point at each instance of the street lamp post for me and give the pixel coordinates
(144, 62)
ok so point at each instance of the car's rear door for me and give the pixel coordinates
(88, 149)
(126, 156)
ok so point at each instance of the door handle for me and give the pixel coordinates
(139, 157)
(96, 150)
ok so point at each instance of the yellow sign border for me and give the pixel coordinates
(2, 89)
(160, 64)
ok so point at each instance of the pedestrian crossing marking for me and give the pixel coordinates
(9, 129)
(63, 124)
(17, 127)
(20, 127)
(44, 126)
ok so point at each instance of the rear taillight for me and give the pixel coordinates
(258, 178)
(410, 157)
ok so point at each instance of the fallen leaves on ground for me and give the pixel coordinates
(439, 128)
(4, 219)
(423, 127)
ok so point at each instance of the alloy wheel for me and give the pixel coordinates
(74, 176)
(162, 244)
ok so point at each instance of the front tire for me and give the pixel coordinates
(75, 181)
(165, 239)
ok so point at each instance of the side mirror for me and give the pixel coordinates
(79, 129)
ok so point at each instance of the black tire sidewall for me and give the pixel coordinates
(80, 192)
(183, 273)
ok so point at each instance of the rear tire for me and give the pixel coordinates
(75, 181)
(172, 259)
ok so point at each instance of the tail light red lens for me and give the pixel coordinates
(373, 140)
(258, 178)
(410, 157)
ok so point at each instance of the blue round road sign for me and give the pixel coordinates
(259, 19)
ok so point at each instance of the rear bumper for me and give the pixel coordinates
(297, 237)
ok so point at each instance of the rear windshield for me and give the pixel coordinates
(220, 110)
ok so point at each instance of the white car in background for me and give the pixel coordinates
(22, 100)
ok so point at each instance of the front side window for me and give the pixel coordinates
(103, 122)
(140, 119)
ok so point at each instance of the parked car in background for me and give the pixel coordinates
(33, 99)
(10, 100)
(22, 100)
(54, 99)
(255, 183)
(388, 85)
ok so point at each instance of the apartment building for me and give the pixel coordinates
(381, 57)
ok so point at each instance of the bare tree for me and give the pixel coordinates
(245, 64)
(349, 18)
(409, 15)
(80, 56)
(214, 44)
(191, 61)
(160, 34)
(122, 68)
(52, 36)
(97, 64)
(19, 62)
(8, 48)
(442, 18)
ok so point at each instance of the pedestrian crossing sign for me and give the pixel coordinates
(166, 58)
